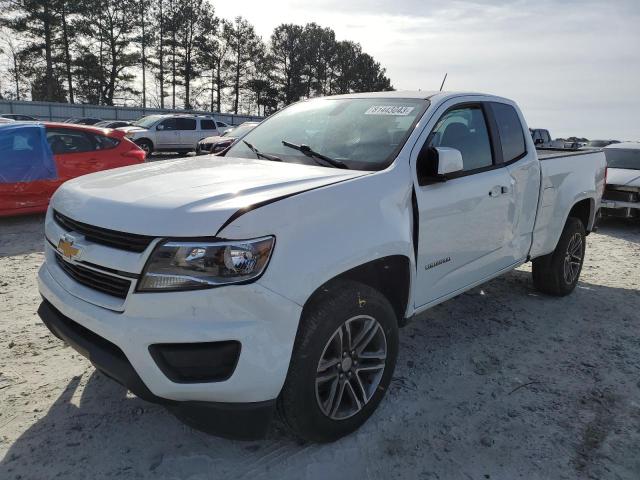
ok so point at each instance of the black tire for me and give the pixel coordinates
(145, 145)
(299, 401)
(550, 271)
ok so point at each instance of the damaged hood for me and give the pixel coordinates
(623, 177)
(185, 197)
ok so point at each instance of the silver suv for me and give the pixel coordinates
(173, 133)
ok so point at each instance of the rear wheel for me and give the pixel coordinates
(558, 272)
(343, 360)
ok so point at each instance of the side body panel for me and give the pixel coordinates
(474, 226)
(565, 182)
(325, 232)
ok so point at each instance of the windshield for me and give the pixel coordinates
(239, 131)
(619, 158)
(146, 122)
(363, 133)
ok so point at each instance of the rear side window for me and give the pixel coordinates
(186, 123)
(510, 130)
(207, 125)
(64, 141)
(222, 125)
(105, 143)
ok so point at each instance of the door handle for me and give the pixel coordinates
(495, 191)
(499, 190)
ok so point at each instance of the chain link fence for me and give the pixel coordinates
(57, 112)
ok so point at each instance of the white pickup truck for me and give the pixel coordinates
(280, 275)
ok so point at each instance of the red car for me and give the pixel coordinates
(36, 158)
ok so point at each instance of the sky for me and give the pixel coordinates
(573, 66)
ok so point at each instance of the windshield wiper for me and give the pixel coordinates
(306, 149)
(259, 154)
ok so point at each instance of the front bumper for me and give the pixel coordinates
(621, 202)
(263, 322)
(235, 420)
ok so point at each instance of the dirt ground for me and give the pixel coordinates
(500, 383)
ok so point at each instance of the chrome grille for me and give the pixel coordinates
(111, 238)
(105, 283)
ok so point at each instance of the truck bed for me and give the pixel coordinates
(550, 153)
(573, 176)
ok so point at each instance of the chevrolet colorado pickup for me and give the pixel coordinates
(276, 278)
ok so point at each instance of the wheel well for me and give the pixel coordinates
(389, 275)
(145, 140)
(582, 211)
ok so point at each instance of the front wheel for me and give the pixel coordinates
(342, 363)
(145, 145)
(558, 272)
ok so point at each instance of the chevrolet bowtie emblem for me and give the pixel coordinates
(65, 246)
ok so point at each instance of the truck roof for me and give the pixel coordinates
(416, 94)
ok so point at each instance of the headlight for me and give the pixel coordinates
(188, 265)
(130, 134)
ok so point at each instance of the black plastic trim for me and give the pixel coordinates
(416, 224)
(246, 421)
(230, 356)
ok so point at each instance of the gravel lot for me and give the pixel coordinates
(499, 383)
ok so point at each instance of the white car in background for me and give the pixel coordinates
(173, 133)
(622, 195)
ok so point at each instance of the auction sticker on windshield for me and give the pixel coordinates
(389, 110)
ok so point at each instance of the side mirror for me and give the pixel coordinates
(160, 127)
(434, 164)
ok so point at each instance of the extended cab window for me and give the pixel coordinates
(66, 141)
(207, 125)
(465, 130)
(510, 130)
(186, 123)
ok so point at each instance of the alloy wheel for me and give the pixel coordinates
(573, 258)
(351, 367)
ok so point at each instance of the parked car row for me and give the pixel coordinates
(153, 133)
(622, 194)
(219, 143)
(173, 133)
(37, 157)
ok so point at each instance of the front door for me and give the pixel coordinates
(167, 134)
(189, 136)
(464, 221)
